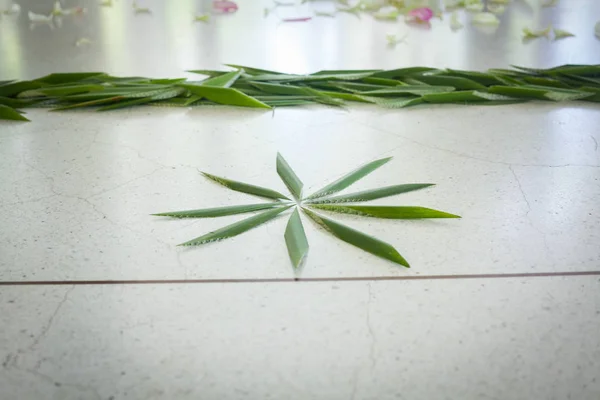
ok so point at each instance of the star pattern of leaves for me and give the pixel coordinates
(326, 199)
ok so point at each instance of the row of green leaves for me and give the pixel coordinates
(321, 200)
(258, 88)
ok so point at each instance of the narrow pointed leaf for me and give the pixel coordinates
(295, 239)
(454, 81)
(288, 103)
(14, 88)
(254, 71)
(409, 89)
(541, 93)
(225, 80)
(391, 212)
(10, 113)
(373, 194)
(89, 103)
(246, 188)
(365, 242)
(466, 96)
(126, 103)
(402, 72)
(289, 177)
(236, 228)
(281, 89)
(227, 96)
(71, 89)
(218, 211)
(347, 180)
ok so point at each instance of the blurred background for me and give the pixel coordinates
(163, 38)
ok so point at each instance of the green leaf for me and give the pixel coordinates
(246, 188)
(359, 239)
(254, 71)
(281, 89)
(89, 103)
(12, 89)
(402, 72)
(56, 78)
(225, 80)
(467, 96)
(17, 103)
(289, 177)
(126, 103)
(409, 89)
(227, 96)
(218, 211)
(483, 78)
(311, 78)
(10, 113)
(347, 180)
(345, 71)
(391, 212)
(295, 239)
(399, 103)
(539, 92)
(236, 228)
(382, 81)
(373, 194)
(288, 103)
(454, 81)
(71, 89)
(208, 72)
(177, 101)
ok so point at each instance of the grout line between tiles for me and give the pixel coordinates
(303, 280)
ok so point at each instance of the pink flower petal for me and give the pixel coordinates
(225, 6)
(423, 14)
(301, 19)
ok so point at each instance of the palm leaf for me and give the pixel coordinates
(246, 188)
(236, 228)
(391, 212)
(218, 211)
(373, 194)
(347, 180)
(295, 240)
(289, 177)
(365, 242)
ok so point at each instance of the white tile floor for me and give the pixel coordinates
(76, 189)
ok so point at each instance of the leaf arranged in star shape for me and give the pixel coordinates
(311, 205)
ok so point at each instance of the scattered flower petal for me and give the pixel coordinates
(422, 14)
(83, 42)
(387, 13)
(485, 18)
(474, 5)
(455, 24)
(202, 18)
(299, 19)
(496, 8)
(561, 34)
(392, 40)
(549, 3)
(13, 10)
(140, 10)
(533, 34)
(33, 17)
(324, 14)
(225, 6)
